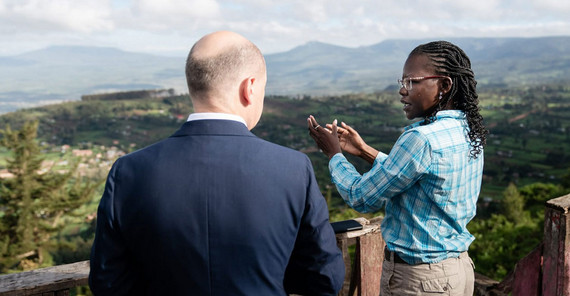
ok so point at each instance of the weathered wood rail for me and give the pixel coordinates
(50, 281)
(544, 271)
(362, 276)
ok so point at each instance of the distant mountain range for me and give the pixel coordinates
(62, 73)
(319, 68)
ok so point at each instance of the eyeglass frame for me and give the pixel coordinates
(419, 78)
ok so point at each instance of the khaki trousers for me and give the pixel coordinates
(453, 276)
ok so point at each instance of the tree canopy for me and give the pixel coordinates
(33, 201)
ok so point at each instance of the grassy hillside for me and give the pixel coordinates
(529, 140)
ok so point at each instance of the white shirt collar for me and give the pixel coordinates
(212, 115)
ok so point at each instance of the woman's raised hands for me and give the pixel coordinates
(326, 138)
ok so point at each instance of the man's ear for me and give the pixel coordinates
(247, 89)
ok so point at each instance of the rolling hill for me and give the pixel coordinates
(318, 68)
(64, 73)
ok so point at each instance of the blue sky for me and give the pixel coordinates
(170, 27)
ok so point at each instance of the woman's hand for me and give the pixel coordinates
(326, 139)
(351, 142)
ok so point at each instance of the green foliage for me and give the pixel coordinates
(499, 243)
(345, 213)
(513, 204)
(507, 237)
(33, 201)
(143, 121)
(528, 144)
(537, 194)
(530, 127)
(565, 180)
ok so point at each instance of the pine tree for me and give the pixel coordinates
(33, 202)
(513, 204)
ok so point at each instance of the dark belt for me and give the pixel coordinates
(388, 256)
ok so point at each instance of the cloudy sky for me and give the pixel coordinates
(170, 27)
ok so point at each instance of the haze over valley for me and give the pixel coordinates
(64, 73)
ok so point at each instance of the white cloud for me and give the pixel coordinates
(160, 25)
(166, 14)
(81, 16)
(288, 24)
(189, 8)
(556, 5)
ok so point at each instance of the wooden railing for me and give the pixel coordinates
(52, 281)
(544, 271)
(362, 272)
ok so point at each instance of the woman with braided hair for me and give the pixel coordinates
(428, 183)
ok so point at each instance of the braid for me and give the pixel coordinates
(450, 60)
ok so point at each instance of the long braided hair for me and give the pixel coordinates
(450, 60)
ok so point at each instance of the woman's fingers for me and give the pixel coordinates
(309, 123)
(339, 129)
(334, 127)
(348, 127)
(313, 121)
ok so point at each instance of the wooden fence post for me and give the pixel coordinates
(370, 255)
(363, 276)
(556, 254)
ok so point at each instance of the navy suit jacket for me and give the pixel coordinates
(214, 210)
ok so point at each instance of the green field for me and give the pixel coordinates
(529, 138)
(529, 143)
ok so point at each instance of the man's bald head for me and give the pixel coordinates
(219, 62)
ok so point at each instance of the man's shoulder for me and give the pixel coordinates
(282, 150)
(143, 152)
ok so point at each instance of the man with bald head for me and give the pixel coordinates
(215, 210)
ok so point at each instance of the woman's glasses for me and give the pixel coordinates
(407, 82)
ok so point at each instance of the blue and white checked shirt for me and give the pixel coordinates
(429, 185)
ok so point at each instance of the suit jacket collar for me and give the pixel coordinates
(213, 127)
